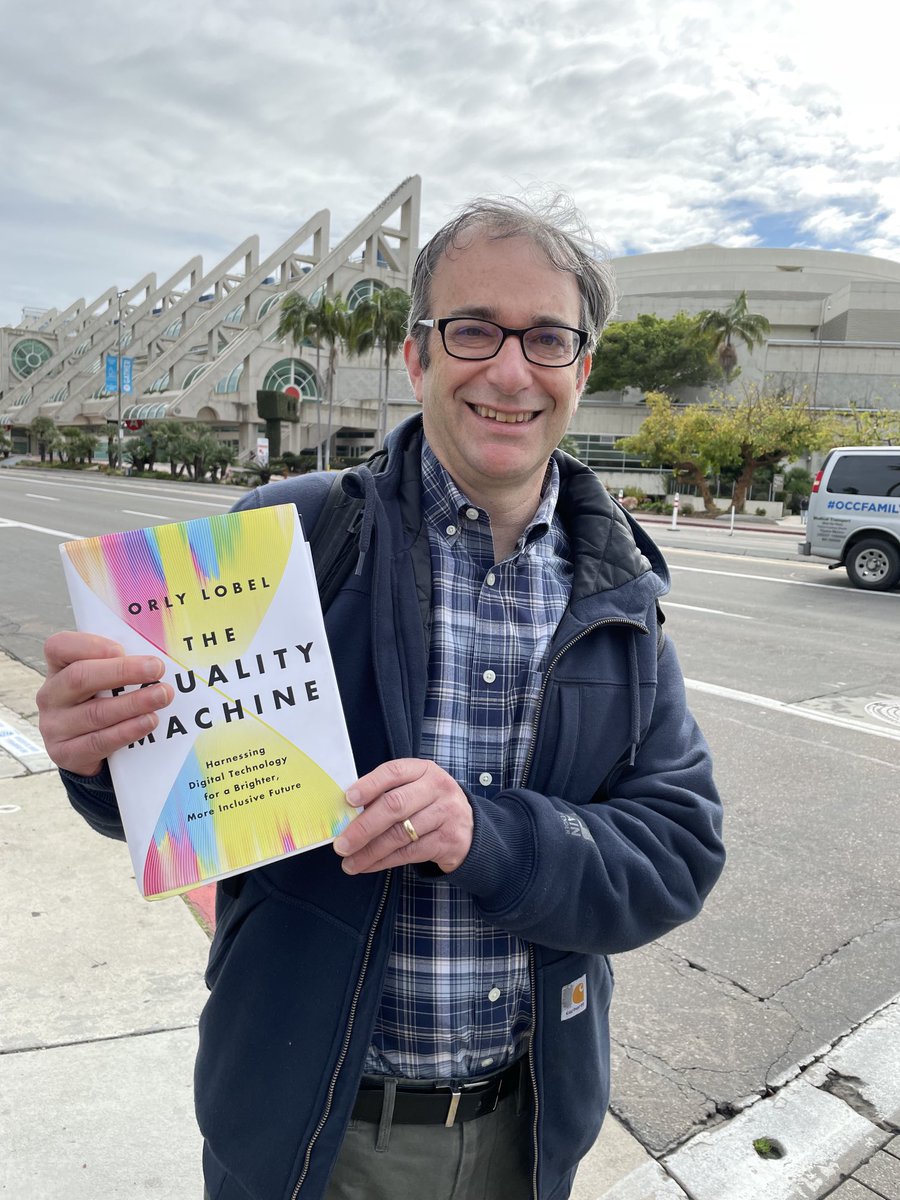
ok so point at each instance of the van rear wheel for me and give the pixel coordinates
(874, 564)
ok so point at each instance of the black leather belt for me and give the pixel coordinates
(425, 1103)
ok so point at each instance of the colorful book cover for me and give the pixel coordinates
(251, 760)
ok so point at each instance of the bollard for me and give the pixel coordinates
(675, 511)
(731, 531)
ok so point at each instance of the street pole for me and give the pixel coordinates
(119, 462)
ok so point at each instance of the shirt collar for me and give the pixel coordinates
(444, 506)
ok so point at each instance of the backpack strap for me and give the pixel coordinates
(336, 533)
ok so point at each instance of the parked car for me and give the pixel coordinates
(854, 515)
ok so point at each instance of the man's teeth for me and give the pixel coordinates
(516, 418)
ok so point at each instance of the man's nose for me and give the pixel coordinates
(509, 369)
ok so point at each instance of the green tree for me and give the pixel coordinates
(652, 354)
(697, 441)
(5, 443)
(689, 440)
(380, 321)
(866, 427)
(325, 322)
(43, 430)
(78, 445)
(726, 325)
(767, 430)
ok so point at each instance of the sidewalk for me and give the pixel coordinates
(101, 991)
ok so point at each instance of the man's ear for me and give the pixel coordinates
(414, 368)
(583, 372)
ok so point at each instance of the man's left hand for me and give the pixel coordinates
(418, 793)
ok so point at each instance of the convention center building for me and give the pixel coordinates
(203, 343)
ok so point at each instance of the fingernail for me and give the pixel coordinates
(352, 797)
(340, 845)
(153, 668)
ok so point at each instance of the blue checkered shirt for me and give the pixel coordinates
(456, 1000)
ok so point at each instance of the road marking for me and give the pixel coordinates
(715, 611)
(5, 522)
(133, 512)
(851, 591)
(35, 496)
(793, 710)
(111, 490)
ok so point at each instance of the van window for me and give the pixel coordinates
(866, 475)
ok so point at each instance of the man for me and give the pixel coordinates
(423, 1007)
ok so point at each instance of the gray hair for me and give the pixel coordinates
(554, 225)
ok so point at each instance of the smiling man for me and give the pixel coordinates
(424, 1005)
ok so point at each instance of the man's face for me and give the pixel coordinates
(511, 282)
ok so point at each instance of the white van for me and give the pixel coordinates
(854, 514)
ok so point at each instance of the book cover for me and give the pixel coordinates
(251, 760)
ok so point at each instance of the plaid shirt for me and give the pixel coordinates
(456, 1000)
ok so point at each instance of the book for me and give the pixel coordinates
(251, 760)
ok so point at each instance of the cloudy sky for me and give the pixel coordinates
(133, 137)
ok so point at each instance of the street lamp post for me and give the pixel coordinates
(119, 381)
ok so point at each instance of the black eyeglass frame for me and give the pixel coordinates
(441, 323)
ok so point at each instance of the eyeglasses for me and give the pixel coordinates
(543, 345)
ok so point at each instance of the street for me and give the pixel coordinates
(792, 674)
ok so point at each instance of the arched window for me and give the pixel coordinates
(230, 382)
(292, 372)
(28, 355)
(174, 329)
(363, 290)
(269, 303)
(234, 317)
(161, 384)
(194, 373)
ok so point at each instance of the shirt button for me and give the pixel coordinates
(486, 1062)
(451, 529)
(489, 676)
(472, 514)
(490, 579)
(485, 778)
(494, 994)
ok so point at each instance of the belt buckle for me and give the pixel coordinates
(450, 1119)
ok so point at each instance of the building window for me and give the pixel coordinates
(292, 372)
(194, 373)
(28, 355)
(230, 382)
(364, 290)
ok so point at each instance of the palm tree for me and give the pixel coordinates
(736, 321)
(325, 321)
(381, 321)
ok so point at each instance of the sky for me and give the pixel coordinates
(134, 137)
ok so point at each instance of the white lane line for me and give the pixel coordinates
(718, 612)
(172, 491)
(35, 496)
(134, 512)
(851, 591)
(5, 523)
(793, 710)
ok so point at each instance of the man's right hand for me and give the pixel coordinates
(80, 729)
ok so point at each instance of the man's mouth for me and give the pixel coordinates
(508, 418)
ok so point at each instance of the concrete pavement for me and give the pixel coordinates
(100, 993)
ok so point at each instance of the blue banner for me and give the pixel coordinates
(112, 363)
(127, 364)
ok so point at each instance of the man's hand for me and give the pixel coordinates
(80, 729)
(412, 790)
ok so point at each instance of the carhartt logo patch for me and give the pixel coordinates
(574, 998)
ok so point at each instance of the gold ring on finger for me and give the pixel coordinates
(410, 830)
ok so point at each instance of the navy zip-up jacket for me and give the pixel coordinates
(611, 839)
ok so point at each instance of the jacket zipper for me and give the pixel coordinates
(347, 1035)
(532, 967)
(532, 1074)
(559, 654)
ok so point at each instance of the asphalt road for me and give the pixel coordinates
(792, 674)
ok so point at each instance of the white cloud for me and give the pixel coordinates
(134, 138)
